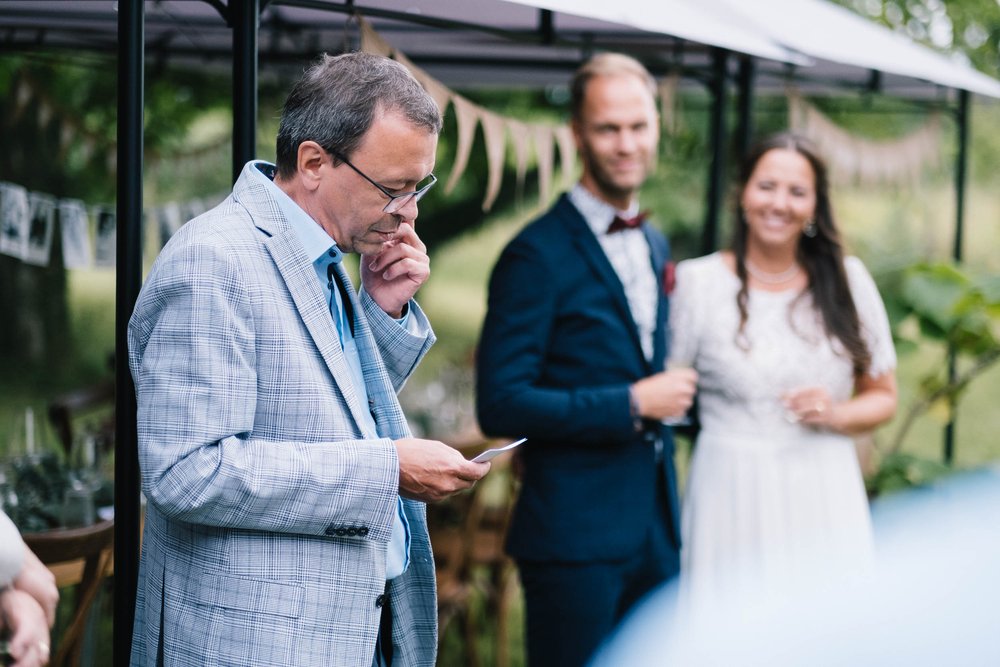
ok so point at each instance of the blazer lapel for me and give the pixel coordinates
(304, 287)
(301, 281)
(592, 252)
(659, 255)
(382, 401)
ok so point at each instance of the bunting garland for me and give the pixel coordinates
(851, 158)
(41, 218)
(542, 136)
(88, 235)
(106, 239)
(669, 113)
(13, 220)
(520, 139)
(74, 225)
(468, 117)
(496, 130)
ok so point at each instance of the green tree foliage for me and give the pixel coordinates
(968, 28)
(951, 308)
(59, 128)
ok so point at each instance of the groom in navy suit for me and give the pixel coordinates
(572, 356)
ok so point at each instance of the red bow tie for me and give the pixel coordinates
(620, 223)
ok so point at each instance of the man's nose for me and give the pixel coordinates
(408, 211)
(627, 142)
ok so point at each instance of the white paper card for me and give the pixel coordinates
(492, 453)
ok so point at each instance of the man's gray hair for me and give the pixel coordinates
(339, 97)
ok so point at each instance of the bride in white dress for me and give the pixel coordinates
(794, 356)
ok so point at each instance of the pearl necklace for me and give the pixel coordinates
(769, 278)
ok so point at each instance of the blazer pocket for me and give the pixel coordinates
(256, 596)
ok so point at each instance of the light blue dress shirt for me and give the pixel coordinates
(318, 247)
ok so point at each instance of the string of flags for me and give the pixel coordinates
(855, 159)
(87, 234)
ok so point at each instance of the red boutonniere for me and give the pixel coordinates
(669, 279)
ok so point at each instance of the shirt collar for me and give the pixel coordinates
(596, 212)
(314, 239)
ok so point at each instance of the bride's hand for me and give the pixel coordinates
(811, 406)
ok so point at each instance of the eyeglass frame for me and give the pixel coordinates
(403, 198)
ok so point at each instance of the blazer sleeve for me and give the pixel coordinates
(193, 358)
(515, 343)
(401, 348)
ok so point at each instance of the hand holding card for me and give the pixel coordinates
(491, 453)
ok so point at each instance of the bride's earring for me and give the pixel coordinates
(810, 229)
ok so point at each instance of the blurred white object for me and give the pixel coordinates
(932, 600)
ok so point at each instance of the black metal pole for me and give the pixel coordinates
(744, 82)
(962, 122)
(245, 22)
(717, 133)
(128, 280)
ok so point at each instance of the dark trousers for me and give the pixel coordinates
(572, 607)
(383, 643)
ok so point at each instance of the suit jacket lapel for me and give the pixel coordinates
(382, 402)
(659, 255)
(304, 287)
(301, 281)
(594, 255)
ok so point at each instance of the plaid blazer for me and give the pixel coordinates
(269, 509)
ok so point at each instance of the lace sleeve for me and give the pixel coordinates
(872, 316)
(683, 327)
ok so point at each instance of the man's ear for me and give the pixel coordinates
(311, 158)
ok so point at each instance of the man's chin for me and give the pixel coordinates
(370, 246)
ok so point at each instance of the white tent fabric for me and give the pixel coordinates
(503, 42)
(834, 34)
(680, 18)
(794, 31)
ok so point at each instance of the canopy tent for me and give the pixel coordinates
(520, 42)
(462, 43)
(844, 46)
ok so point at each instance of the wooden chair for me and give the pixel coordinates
(64, 411)
(63, 551)
(467, 536)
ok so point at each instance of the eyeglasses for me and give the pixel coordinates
(396, 201)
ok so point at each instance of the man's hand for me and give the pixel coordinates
(38, 581)
(431, 471)
(665, 394)
(394, 275)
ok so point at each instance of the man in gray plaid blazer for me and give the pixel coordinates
(285, 493)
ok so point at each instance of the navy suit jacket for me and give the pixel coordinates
(558, 351)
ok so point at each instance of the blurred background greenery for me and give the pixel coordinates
(903, 232)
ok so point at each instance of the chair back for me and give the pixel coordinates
(94, 546)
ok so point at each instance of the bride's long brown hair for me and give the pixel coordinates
(822, 255)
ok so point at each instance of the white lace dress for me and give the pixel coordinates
(765, 498)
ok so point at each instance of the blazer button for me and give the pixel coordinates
(362, 531)
(352, 532)
(380, 600)
(341, 532)
(330, 530)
